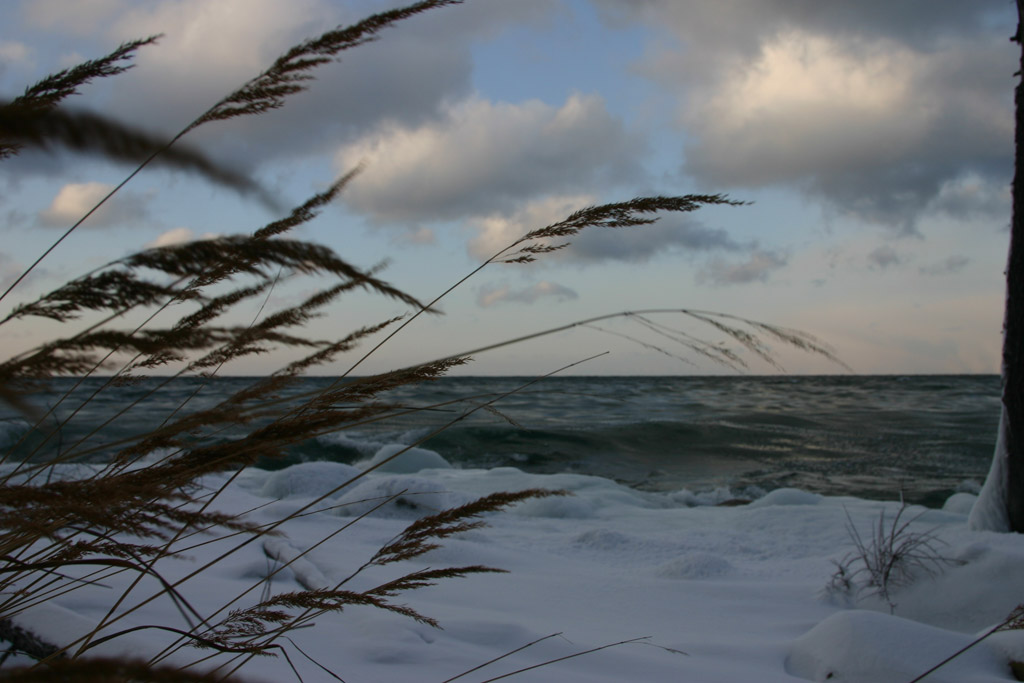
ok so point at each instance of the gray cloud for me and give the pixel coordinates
(671, 233)
(883, 257)
(739, 25)
(80, 17)
(974, 198)
(9, 270)
(500, 294)
(758, 267)
(952, 264)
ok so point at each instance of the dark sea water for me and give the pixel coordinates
(924, 436)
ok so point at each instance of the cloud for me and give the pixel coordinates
(490, 296)
(76, 199)
(973, 196)
(806, 105)
(671, 233)
(952, 264)
(209, 49)
(757, 268)
(418, 235)
(861, 128)
(883, 257)
(10, 270)
(737, 27)
(868, 107)
(482, 156)
(82, 17)
(497, 231)
(12, 51)
(179, 236)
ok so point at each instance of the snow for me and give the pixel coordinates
(990, 511)
(719, 593)
(858, 645)
(409, 459)
(312, 479)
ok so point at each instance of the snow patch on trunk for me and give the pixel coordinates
(989, 512)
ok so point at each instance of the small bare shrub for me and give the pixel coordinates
(893, 556)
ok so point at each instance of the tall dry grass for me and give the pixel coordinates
(139, 503)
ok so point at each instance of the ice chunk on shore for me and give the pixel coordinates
(410, 462)
(859, 645)
(406, 497)
(960, 503)
(310, 479)
(787, 497)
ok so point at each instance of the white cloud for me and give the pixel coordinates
(12, 51)
(206, 51)
(498, 231)
(179, 235)
(874, 128)
(76, 199)
(483, 156)
(490, 296)
(420, 235)
(808, 105)
(230, 39)
(870, 107)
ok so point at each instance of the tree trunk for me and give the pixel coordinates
(1013, 323)
(1001, 504)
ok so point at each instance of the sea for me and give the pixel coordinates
(919, 437)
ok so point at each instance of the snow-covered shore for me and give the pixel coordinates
(719, 593)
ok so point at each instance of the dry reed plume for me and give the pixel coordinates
(55, 538)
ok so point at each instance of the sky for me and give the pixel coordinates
(872, 141)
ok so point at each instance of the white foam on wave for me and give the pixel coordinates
(355, 441)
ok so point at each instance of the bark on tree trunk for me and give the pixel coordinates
(1013, 323)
